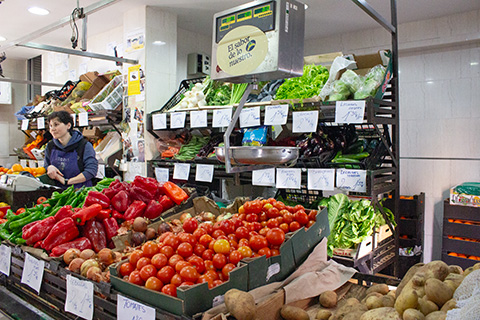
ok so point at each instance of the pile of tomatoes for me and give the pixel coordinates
(207, 252)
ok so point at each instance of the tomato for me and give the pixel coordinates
(299, 207)
(189, 274)
(185, 249)
(135, 278)
(252, 217)
(263, 231)
(150, 249)
(212, 274)
(20, 211)
(267, 206)
(263, 217)
(165, 274)
(176, 280)
(227, 226)
(265, 252)
(199, 249)
(217, 233)
(247, 208)
(135, 256)
(172, 241)
(242, 217)
(275, 236)
(164, 235)
(170, 289)
(279, 205)
(241, 210)
(284, 227)
(187, 283)
(250, 227)
(190, 225)
(226, 269)
(41, 200)
(243, 242)
(142, 262)
(204, 278)
(181, 264)
(287, 217)
(126, 269)
(198, 263)
(312, 215)
(264, 224)
(301, 217)
(199, 232)
(294, 226)
(148, 271)
(221, 246)
(207, 226)
(187, 237)
(273, 213)
(216, 283)
(208, 254)
(236, 222)
(159, 260)
(256, 226)
(205, 240)
(275, 252)
(310, 223)
(208, 265)
(167, 251)
(174, 260)
(272, 223)
(221, 237)
(219, 260)
(234, 257)
(153, 283)
(257, 242)
(245, 251)
(290, 209)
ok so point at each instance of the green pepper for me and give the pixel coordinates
(15, 234)
(4, 234)
(14, 217)
(18, 224)
(20, 241)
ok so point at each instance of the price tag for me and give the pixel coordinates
(181, 171)
(162, 174)
(250, 117)
(128, 309)
(101, 171)
(32, 274)
(32, 163)
(204, 173)
(74, 119)
(5, 259)
(83, 119)
(289, 178)
(305, 121)
(352, 180)
(41, 163)
(222, 118)
(198, 119)
(321, 179)
(23, 163)
(25, 124)
(264, 177)
(273, 270)
(276, 115)
(177, 120)
(79, 299)
(349, 111)
(159, 121)
(41, 123)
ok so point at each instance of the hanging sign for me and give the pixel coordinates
(264, 177)
(352, 180)
(204, 172)
(177, 120)
(250, 117)
(32, 274)
(41, 123)
(222, 117)
(305, 121)
(181, 171)
(321, 179)
(349, 111)
(276, 115)
(162, 174)
(198, 119)
(25, 124)
(83, 119)
(79, 300)
(289, 178)
(159, 121)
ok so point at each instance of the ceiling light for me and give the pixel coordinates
(306, 6)
(2, 38)
(38, 11)
(474, 63)
(158, 43)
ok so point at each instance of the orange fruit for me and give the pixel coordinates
(40, 170)
(9, 171)
(453, 254)
(17, 167)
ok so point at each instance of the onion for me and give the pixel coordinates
(92, 271)
(87, 254)
(118, 256)
(150, 233)
(71, 254)
(140, 224)
(163, 227)
(184, 217)
(75, 265)
(87, 265)
(138, 238)
(106, 257)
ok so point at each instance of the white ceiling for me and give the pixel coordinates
(323, 17)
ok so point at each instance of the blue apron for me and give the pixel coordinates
(67, 163)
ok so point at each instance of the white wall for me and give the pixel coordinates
(189, 42)
(439, 64)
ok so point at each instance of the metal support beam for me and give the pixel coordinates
(32, 45)
(36, 83)
(375, 15)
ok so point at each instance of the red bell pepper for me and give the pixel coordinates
(64, 212)
(95, 232)
(97, 197)
(80, 244)
(137, 193)
(145, 183)
(174, 192)
(115, 187)
(38, 231)
(136, 209)
(87, 213)
(120, 201)
(166, 202)
(63, 231)
(117, 215)
(104, 214)
(111, 227)
(153, 210)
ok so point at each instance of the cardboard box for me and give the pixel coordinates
(93, 133)
(89, 76)
(366, 246)
(97, 85)
(463, 199)
(63, 108)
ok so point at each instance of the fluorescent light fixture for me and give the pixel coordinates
(429, 82)
(158, 43)
(474, 63)
(3, 38)
(306, 6)
(38, 11)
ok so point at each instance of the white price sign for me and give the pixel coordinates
(79, 299)
(289, 178)
(5, 259)
(32, 274)
(83, 119)
(159, 121)
(23, 163)
(349, 111)
(250, 117)
(305, 121)
(32, 164)
(128, 309)
(41, 123)
(264, 177)
(41, 163)
(204, 173)
(181, 171)
(177, 120)
(101, 171)
(352, 180)
(162, 174)
(25, 124)
(222, 118)
(321, 179)
(276, 115)
(198, 119)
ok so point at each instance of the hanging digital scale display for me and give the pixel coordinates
(259, 41)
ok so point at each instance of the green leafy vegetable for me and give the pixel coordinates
(306, 86)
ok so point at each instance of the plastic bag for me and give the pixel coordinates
(255, 136)
(372, 81)
(340, 63)
(24, 110)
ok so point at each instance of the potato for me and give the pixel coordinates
(323, 314)
(328, 299)
(374, 302)
(380, 288)
(413, 314)
(437, 315)
(352, 301)
(438, 292)
(468, 271)
(372, 294)
(455, 269)
(454, 280)
(349, 307)
(293, 313)
(392, 293)
(388, 301)
(426, 306)
(408, 276)
(384, 313)
(240, 304)
(449, 305)
(476, 266)
(436, 269)
(355, 315)
(408, 299)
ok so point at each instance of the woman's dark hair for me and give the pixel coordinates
(63, 116)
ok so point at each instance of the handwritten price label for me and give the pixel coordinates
(305, 121)
(177, 120)
(349, 111)
(159, 121)
(289, 178)
(162, 174)
(41, 123)
(321, 179)
(264, 177)
(204, 173)
(79, 299)
(32, 274)
(276, 115)
(352, 180)
(181, 171)
(83, 119)
(198, 119)
(25, 124)
(128, 309)
(23, 162)
(222, 118)
(250, 117)
(5, 259)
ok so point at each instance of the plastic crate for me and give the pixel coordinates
(178, 96)
(307, 198)
(109, 97)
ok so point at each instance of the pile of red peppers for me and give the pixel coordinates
(94, 225)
